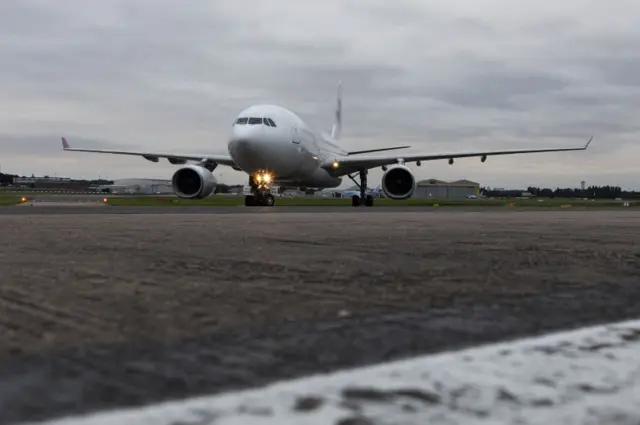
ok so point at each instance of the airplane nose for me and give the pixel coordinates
(247, 134)
(254, 150)
(245, 139)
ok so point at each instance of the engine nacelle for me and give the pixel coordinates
(398, 182)
(193, 181)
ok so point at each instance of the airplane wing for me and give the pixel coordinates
(346, 165)
(173, 158)
(377, 150)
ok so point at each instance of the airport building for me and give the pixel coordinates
(430, 188)
(52, 183)
(138, 186)
(433, 188)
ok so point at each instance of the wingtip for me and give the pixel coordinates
(588, 142)
(65, 144)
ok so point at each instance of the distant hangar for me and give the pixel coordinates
(430, 188)
(433, 188)
(138, 186)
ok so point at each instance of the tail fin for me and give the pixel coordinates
(336, 132)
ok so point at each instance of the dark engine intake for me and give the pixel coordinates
(193, 181)
(398, 182)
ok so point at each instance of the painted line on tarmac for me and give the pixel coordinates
(591, 375)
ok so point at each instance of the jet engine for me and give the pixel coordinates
(193, 181)
(398, 182)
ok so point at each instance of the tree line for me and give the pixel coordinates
(7, 179)
(590, 192)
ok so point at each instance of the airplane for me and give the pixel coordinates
(274, 145)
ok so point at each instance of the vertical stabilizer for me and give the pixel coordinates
(336, 132)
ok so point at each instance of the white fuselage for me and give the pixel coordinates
(291, 151)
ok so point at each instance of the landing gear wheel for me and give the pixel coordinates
(269, 200)
(261, 196)
(249, 201)
(364, 199)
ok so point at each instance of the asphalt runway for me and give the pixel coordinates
(66, 208)
(132, 309)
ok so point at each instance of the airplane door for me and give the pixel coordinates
(295, 136)
(300, 152)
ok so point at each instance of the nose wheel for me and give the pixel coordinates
(261, 196)
(259, 200)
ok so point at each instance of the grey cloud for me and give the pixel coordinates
(500, 87)
(560, 27)
(157, 74)
(620, 71)
(405, 14)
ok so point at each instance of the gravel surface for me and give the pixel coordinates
(101, 311)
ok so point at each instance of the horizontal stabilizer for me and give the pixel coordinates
(378, 150)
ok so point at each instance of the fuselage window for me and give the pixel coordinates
(241, 121)
(271, 123)
(253, 121)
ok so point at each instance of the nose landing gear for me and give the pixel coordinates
(259, 199)
(260, 194)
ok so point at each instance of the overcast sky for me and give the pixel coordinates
(438, 75)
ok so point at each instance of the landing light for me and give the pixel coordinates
(335, 164)
(23, 199)
(105, 200)
(263, 178)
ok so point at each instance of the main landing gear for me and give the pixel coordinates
(261, 194)
(364, 199)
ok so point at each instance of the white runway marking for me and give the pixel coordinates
(588, 376)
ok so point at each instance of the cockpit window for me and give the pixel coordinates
(255, 120)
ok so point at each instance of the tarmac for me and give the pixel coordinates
(63, 207)
(134, 306)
